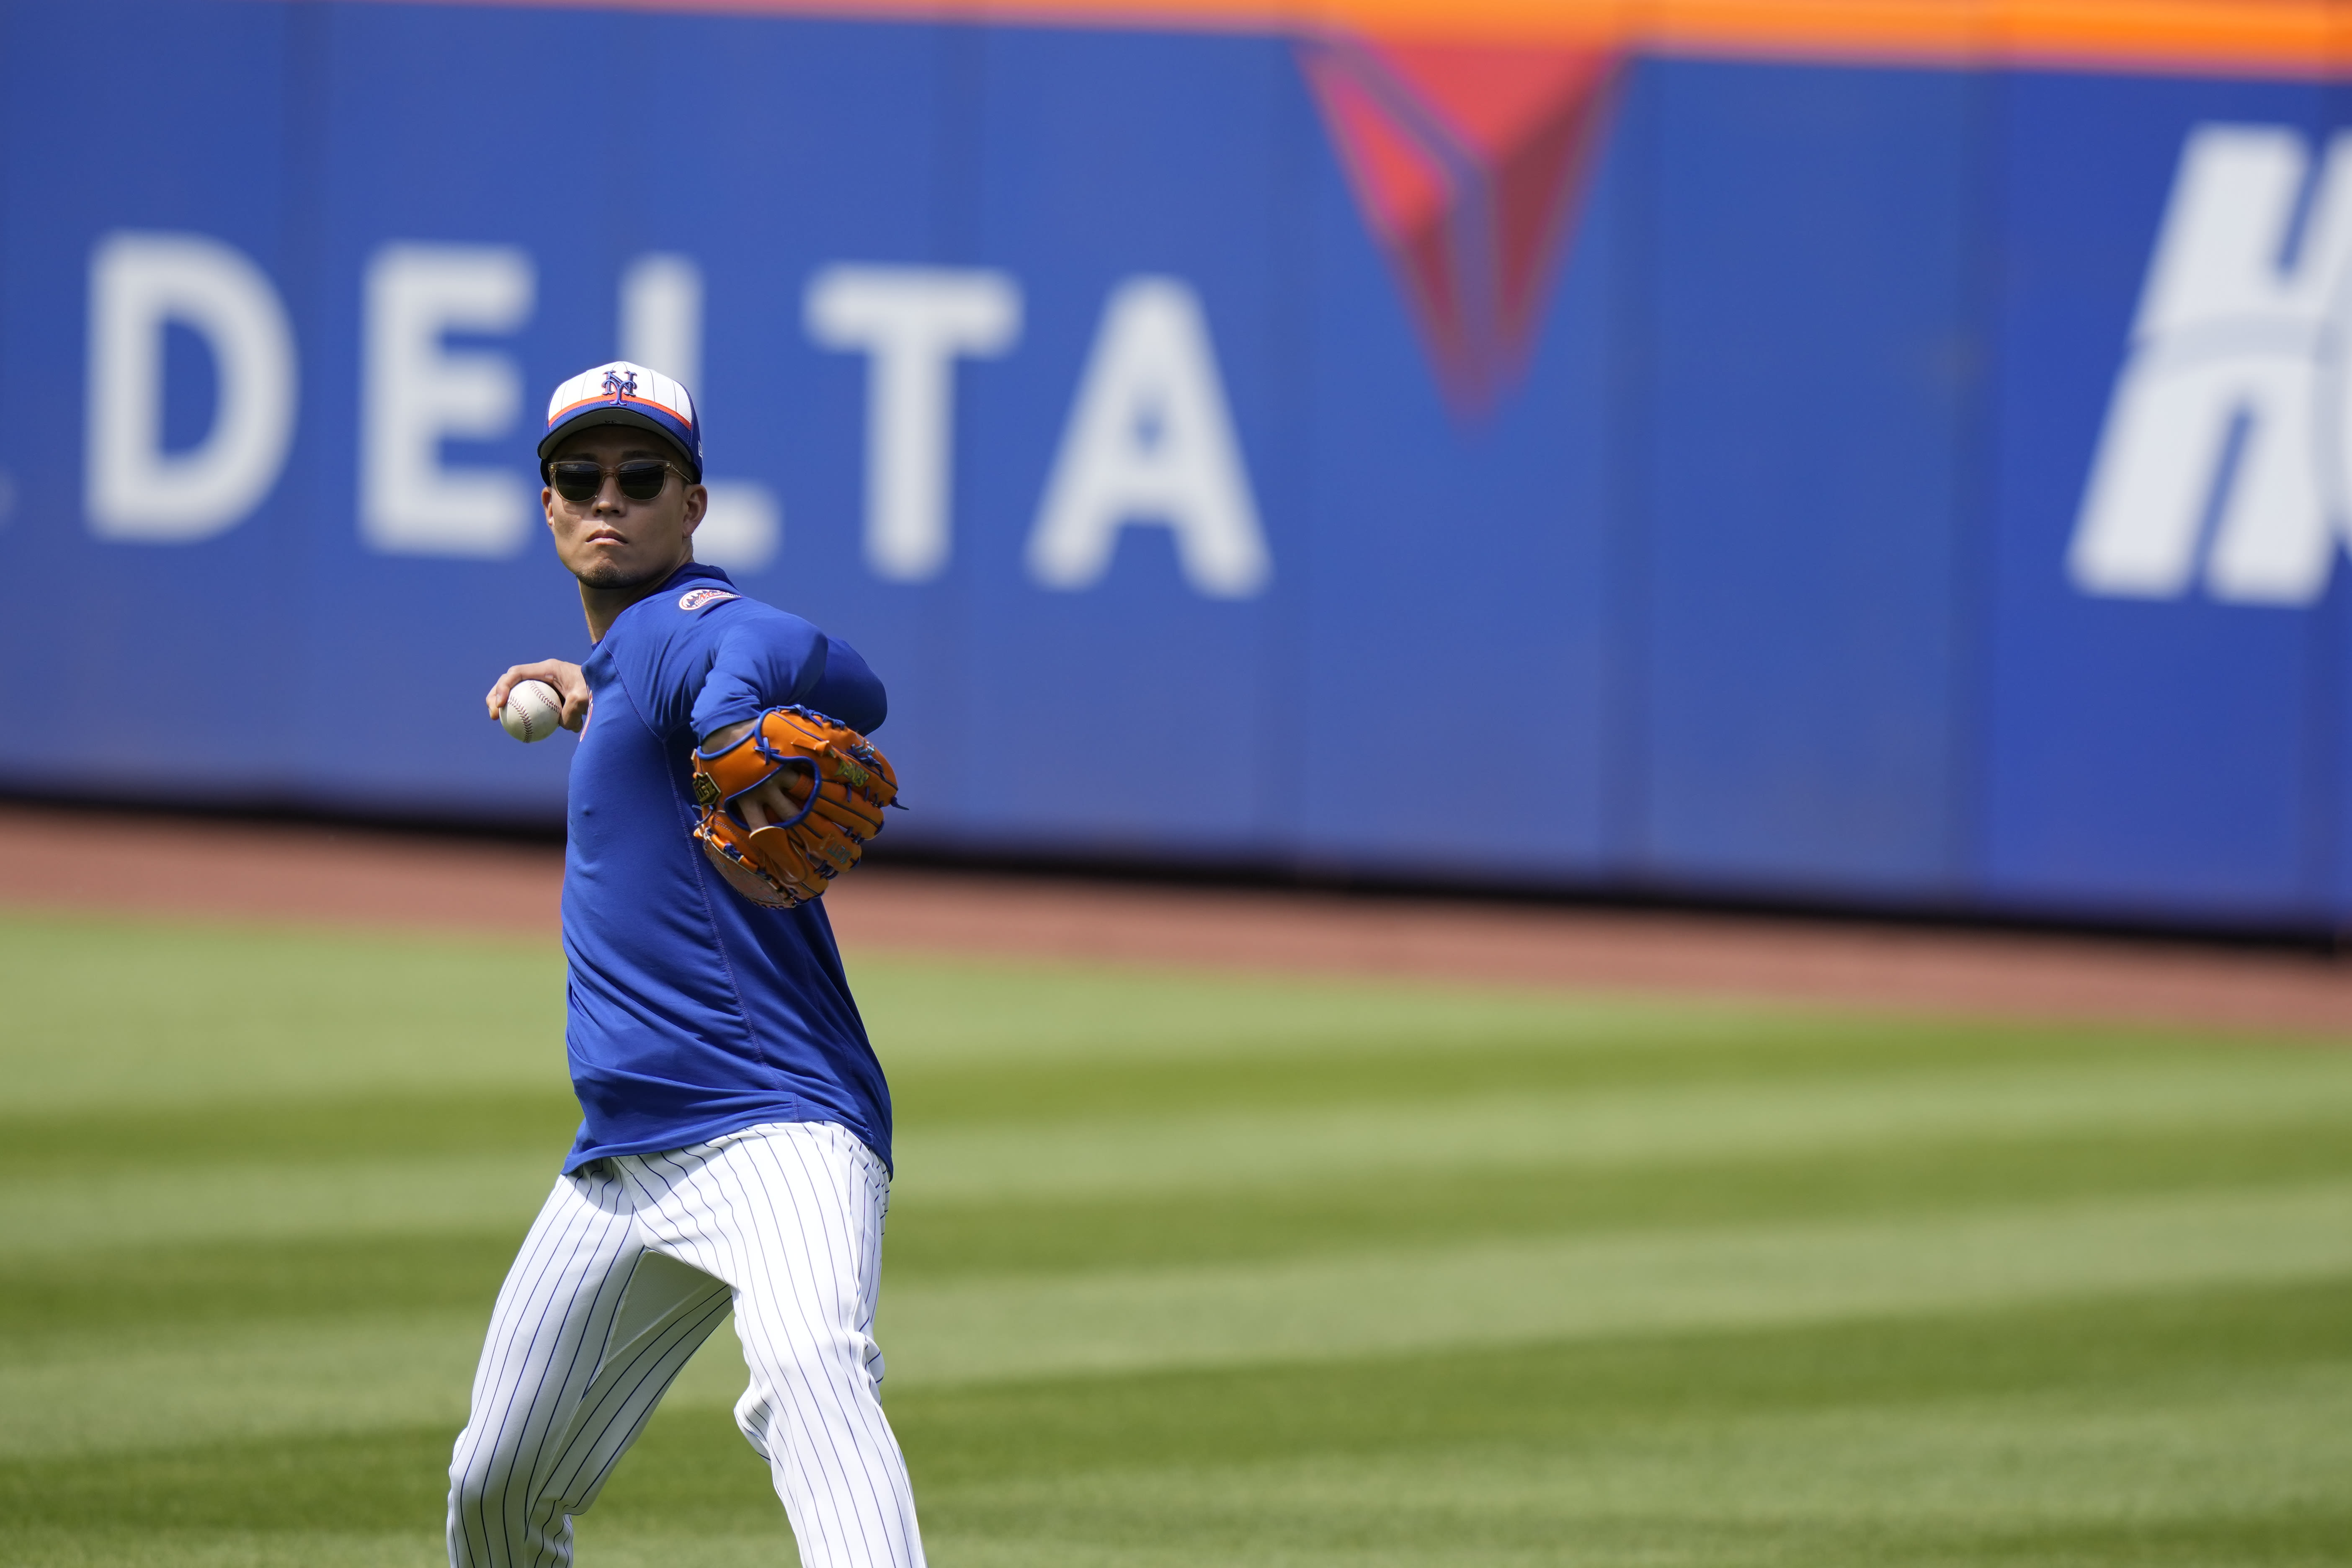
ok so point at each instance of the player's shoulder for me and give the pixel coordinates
(697, 598)
(696, 594)
(701, 597)
(677, 631)
(713, 607)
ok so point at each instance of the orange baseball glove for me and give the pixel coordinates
(789, 862)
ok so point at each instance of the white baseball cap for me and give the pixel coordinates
(625, 393)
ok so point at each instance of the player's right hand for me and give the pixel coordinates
(568, 683)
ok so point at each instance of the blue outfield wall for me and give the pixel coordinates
(1766, 566)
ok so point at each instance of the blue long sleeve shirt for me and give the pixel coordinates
(693, 1011)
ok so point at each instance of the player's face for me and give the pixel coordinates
(610, 541)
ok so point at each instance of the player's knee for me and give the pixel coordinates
(845, 1356)
(478, 1475)
(470, 1492)
(828, 1369)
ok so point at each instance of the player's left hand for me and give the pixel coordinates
(777, 799)
(788, 802)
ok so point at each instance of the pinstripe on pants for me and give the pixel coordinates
(626, 1271)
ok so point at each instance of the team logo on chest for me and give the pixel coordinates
(695, 599)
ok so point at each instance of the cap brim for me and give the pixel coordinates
(608, 415)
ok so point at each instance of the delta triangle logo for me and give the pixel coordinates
(1468, 162)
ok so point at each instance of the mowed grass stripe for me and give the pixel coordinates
(1236, 1153)
(1446, 1059)
(1641, 1432)
(965, 1026)
(2124, 1356)
(349, 1374)
(175, 1545)
(355, 1372)
(1344, 1211)
(1659, 1126)
(2038, 1458)
(2111, 1351)
(247, 1203)
(2189, 1427)
(128, 1295)
(296, 1131)
(1426, 1102)
(119, 1293)
(2266, 1446)
(1538, 1290)
(941, 1016)
(1442, 1071)
(115, 1016)
(220, 1014)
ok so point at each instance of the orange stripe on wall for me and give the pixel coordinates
(2293, 38)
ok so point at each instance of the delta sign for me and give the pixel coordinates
(1894, 453)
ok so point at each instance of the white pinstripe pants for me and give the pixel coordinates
(625, 1272)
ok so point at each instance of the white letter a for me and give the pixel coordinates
(1149, 441)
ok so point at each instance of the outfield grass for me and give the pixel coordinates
(1192, 1269)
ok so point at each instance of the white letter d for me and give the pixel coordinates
(133, 489)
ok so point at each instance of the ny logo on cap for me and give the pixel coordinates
(620, 386)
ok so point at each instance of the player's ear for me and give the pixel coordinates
(697, 502)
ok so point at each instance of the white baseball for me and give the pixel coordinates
(533, 711)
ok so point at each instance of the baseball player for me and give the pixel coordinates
(736, 1140)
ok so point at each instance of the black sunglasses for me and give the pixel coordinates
(642, 479)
